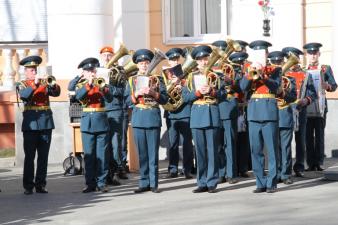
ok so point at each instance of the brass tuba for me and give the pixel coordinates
(130, 66)
(189, 63)
(286, 84)
(292, 60)
(115, 73)
(225, 65)
(154, 81)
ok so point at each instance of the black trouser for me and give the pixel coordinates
(315, 141)
(36, 141)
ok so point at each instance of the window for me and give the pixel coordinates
(23, 20)
(194, 21)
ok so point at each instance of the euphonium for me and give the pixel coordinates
(175, 97)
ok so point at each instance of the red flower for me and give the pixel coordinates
(261, 3)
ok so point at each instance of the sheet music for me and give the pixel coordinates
(199, 81)
(141, 82)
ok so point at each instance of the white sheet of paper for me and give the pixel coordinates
(199, 81)
(142, 82)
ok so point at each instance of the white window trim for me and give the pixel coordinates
(198, 37)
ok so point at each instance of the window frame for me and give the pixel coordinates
(198, 37)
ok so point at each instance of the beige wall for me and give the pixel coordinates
(318, 26)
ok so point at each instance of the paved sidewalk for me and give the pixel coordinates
(309, 201)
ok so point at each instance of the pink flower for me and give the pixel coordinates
(266, 8)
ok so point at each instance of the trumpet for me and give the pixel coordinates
(49, 80)
(99, 82)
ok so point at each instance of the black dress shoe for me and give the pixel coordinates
(154, 190)
(122, 175)
(141, 189)
(232, 180)
(311, 168)
(200, 190)
(221, 180)
(88, 189)
(41, 190)
(188, 176)
(28, 192)
(288, 181)
(271, 190)
(299, 174)
(103, 189)
(212, 189)
(113, 182)
(319, 168)
(259, 190)
(244, 174)
(172, 175)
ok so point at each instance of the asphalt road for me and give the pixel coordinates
(310, 201)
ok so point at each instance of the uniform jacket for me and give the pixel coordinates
(141, 117)
(37, 95)
(263, 109)
(228, 107)
(92, 97)
(207, 115)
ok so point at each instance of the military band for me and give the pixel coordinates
(217, 101)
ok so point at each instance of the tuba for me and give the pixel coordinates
(286, 84)
(154, 81)
(292, 60)
(116, 73)
(189, 64)
(212, 77)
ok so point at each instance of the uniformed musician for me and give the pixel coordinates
(286, 95)
(92, 92)
(144, 94)
(242, 146)
(263, 81)
(324, 81)
(179, 125)
(115, 112)
(306, 93)
(228, 109)
(37, 123)
(205, 92)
